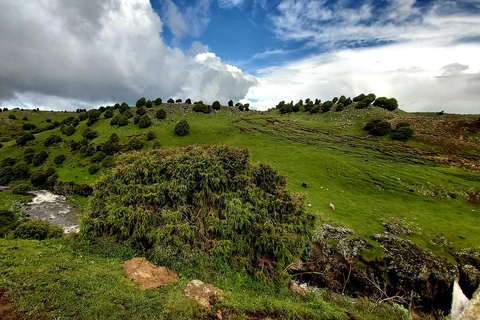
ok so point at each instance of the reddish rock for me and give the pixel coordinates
(148, 275)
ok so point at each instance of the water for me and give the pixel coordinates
(53, 209)
(459, 302)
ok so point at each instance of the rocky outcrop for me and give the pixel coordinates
(205, 293)
(472, 312)
(413, 268)
(469, 261)
(148, 275)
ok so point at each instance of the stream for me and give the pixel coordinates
(53, 209)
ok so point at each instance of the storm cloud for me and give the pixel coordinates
(65, 54)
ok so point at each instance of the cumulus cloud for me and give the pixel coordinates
(192, 20)
(71, 54)
(422, 78)
(229, 3)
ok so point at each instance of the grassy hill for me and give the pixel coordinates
(431, 182)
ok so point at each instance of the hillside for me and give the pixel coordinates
(430, 183)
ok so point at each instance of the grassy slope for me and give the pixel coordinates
(51, 280)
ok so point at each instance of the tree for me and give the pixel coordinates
(387, 104)
(108, 114)
(89, 134)
(93, 115)
(308, 105)
(158, 101)
(136, 143)
(52, 140)
(339, 107)
(59, 159)
(326, 106)
(150, 135)
(182, 127)
(94, 168)
(216, 105)
(161, 114)
(67, 130)
(124, 108)
(334, 100)
(141, 111)
(116, 106)
(122, 121)
(23, 139)
(403, 132)
(28, 126)
(141, 102)
(145, 122)
(137, 118)
(200, 107)
(171, 100)
(40, 158)
(188, 101)
(230, 103)
(178, 101)
(149, 104)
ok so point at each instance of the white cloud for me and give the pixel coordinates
(191, 21)
(421, 77)
(57, 52)
(229, 3)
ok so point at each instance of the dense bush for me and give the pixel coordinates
(127, 114)
(94, 168)
(141, 102)
(122, 121)
(89, 134)
(137, 118)
(151, 135)
(20, 171)
(8, 162)
(98, 156)
(23, 139)
(93, 115)
(59, 159)
(40, 158)
(209, 199)
(182, 127)
(135, 143)
(216, 105)
(158, 101)
(326, 106)
(54, 138)
(188, 101)
(339, 107)
(403, 132)
(388, 104)
(21, 189)
(149, 104)
(6, 175)
(29, 126)
(230, 103)
(378, 127)
(201, 107)
(141, 111)
(108, 162)
(161, 114)
(108, 114)
(145, 122)
(12, 117)
(170, 100)
(38, 178)
(315, 109)
(37, 230)
(67, 130)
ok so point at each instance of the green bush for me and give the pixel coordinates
(108, 162)
(216, 105)
(136, 143)
(38, 178)
(6, 175)
(20, 171)
(339, 107)
(37, 230)
(388, 104)
(40, 158)
(89, 134)
(141, 102)
(210, 199)
(7, 222)
(28, 126)
(158, 101)
(149, 104)
(182, 127)
(23, 139)
(59, 159)
(141, 111)
(94, 168)
(1, 145)
(67, 130)
(326, 106)
(378, 127)
(200, 107)
(12, 117)
(108, 114)
(161, 114)
(127, 114)
(122, 121)
(136, 120)
(402, 134)
(21, 189)
(145, 122)
(150, 135)
(54, 138)
(98, 156)
(170, 100)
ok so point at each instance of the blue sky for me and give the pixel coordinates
(68, 54)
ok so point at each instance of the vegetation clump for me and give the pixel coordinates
(182, 128)
(210, 199)
(37, 230)
(378, 127)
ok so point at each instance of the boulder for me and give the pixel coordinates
(206, 294)
(469, 260)
(412, 268)
(148, 275)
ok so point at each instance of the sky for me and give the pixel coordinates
(69, 54)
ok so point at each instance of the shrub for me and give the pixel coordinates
(208, 199)
(315, 109)
(37, 230)
(93, 115)
(339, 107)
(89, 134)
(23, 139)
(7, 221)
(54, 138)
(403, 133)
(1, 145)
(108, 114)
(141, 102)
(94, 168)
(98, 156)
(158, 101)
(230, 103)
(216, 105)
(8, 162)
(388, 104)
(141, 111)
(49, 172)
(6, 175)
(108, 162)
(326, 106)
(21, 189)
(200, 107)
(20, 171)
(29, 126)
(114, 120)
(40, 158)
(182, 127)
(67, 130)
(75, 122)
(28, 158)
(128, 114)
(136, 143)
(59, 159)
(151, 135)
(188, 101)
(178, 101)
(161, 114)
(12, 117)
(171, 100)
(378, 127)
(38, 178)
(308, 106)
(122, 121)
(136, 120)
(145, 122)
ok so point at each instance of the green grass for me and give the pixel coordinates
(54, 280)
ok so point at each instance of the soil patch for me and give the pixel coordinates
(147, 274)
(7, 312)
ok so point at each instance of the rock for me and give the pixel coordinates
(206, 294)
(413, 268)
(472, 312)
(298, 290)
(147, 274)
(469, 279)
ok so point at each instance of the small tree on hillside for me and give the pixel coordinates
(230, 103)
(149, 104)
(182, 128)
(145, 122)
(216, 105)
(188, 101)
(158, 101)
(141, 102)
(161, 114)
(171, 100)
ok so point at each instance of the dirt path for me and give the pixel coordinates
(6, 309)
